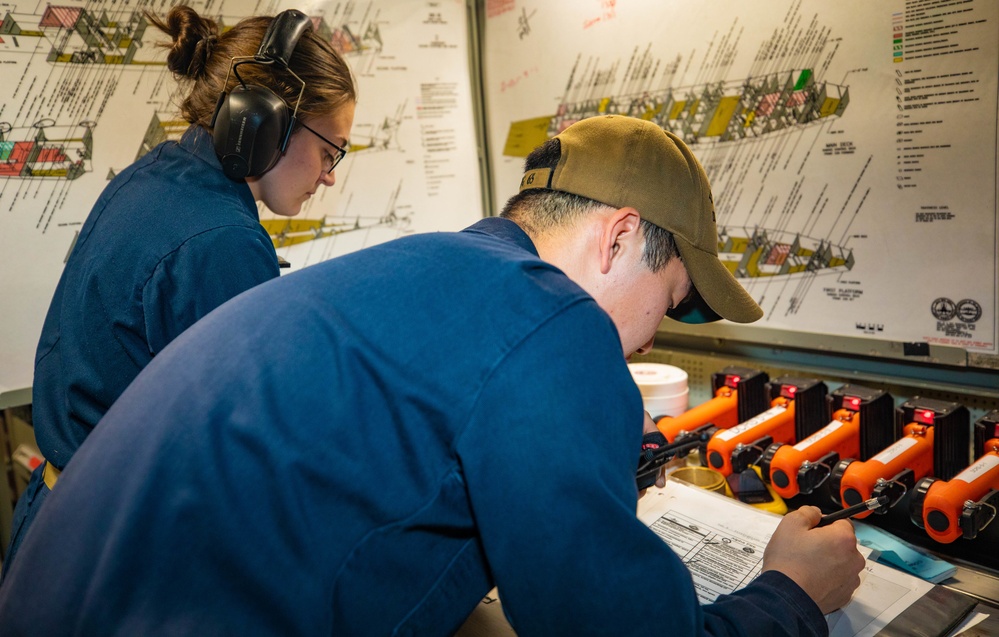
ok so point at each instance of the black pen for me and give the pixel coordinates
(850, 511)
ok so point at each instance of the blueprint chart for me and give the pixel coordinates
(851, 146)
(86, 92)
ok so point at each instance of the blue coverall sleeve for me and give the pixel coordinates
(202, 273)
(549, 458)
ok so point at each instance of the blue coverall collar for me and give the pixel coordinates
(506, 230)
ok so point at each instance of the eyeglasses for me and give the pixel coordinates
(329, 161)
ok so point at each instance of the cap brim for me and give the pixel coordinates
(717, 295)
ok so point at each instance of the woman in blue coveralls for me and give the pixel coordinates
(175, 235)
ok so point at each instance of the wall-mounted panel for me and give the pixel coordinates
(86, 91)
(851, 146)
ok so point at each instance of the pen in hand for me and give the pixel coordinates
(866, 505)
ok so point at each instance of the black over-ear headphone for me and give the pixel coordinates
(251, 124)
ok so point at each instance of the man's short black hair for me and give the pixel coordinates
(538, 209)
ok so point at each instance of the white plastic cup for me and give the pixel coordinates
(656, 380)
(663, 387)
(666, 405)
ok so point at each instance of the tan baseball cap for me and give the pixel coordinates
(627, 162)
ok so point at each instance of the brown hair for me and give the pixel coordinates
(201, 56)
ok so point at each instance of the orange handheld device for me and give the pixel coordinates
(986, 428)
(962, 506)
(739, 394)
(935, 441)
(863, 423)
(797, 410)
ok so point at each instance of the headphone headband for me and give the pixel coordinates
(282, 36)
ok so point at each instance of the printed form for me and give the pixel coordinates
(722, 541)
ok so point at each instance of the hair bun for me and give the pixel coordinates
(202, 52)
(194, 38)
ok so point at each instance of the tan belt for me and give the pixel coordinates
(50, 474)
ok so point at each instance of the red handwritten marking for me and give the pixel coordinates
(498, 7)
(609, 13)
(505, 84)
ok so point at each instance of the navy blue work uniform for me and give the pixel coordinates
(170, 239)
(365, 447)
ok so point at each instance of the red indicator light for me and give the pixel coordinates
(925, 416)
(732, 380)
(853, 402)
(788, 391)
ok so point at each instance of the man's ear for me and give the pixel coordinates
(619, 231)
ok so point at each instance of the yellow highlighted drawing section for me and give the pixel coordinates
(526, 135)
(829, 107)
(287, 232)
(652, 112)
(723, 115)
(678, 107)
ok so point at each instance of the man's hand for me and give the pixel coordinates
(824, 562)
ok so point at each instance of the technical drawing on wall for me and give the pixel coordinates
(77, 35)
(45, 150)
(716, 112)
(827, 132)
(723, 111)
(87, 92)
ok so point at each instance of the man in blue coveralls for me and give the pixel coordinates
(367, 446)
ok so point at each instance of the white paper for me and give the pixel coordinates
(722, 541)
(724, 551)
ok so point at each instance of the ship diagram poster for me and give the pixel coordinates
(86, 92)
(851, 146)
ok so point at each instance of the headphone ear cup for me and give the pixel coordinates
(251, 124)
